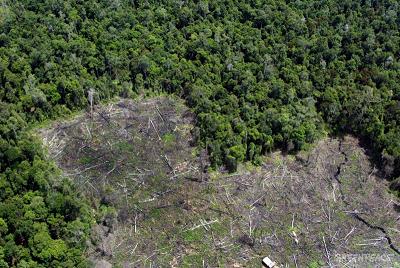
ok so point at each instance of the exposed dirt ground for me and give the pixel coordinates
(160, 207)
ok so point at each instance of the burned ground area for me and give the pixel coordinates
(158, 204)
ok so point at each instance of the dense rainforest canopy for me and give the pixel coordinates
(259, 74)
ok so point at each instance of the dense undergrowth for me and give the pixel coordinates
(260, 75)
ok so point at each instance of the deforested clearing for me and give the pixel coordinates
(159, 204)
